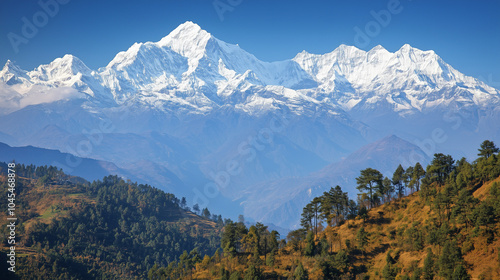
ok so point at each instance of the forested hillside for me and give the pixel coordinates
(438, 222)
(441, 222)
(109, 229)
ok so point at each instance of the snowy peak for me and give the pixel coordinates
(11, 67)
(61, 69)
(12, 74)
(192, 69)
(357, 78)
(188, 39)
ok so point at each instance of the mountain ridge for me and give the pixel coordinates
(192, 105)
(192, 61)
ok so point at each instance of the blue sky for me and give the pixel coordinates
(465, 34)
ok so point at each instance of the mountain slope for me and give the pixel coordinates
(106, 229)
(89, 169)
(278, 200)
(188, 104)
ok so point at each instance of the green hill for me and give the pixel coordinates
(109, 229)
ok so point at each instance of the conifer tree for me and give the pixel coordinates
(370, 180)
(487, 149)
(310, 249)
(428, 270)
(441, 166)
(362, 238)
(300, 273)
(397, 180)
(418, 173)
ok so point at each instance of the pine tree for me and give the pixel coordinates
(388, 189)
(397, 180)
(370, 180)
(441, 166)
(418, 173)
(390, 271)
(310, 249)
(316, 204)
(253, 273)
(460, 273)
(235, 276)
(196, 208)
(270, 260)
(450, 257)
(205, 213)
(428, 270)
(307, 217)
(224, 274)
(362, 238)
(300, 273)
(487, 149)
(407, 177)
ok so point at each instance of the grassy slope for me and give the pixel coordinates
(383, 225)
(482, 260)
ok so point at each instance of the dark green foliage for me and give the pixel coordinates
(310, 249)
(128, 230)
(450, 258)
(487, 149)
(271, 259)
(323, 247)
(363, 213)
(483, 214)
(387, 189)
(341, 261)
(418, 174)
(235, 276)
(334, 205)
(397, 180)
(494, 199)
(370, 180)
(417, 274)
(362, 238)
(460, 273)
(295, 237)
(463, 210)
(307, 217)
(390, 270)
(429, 266)
(253, 273)
(300, 273)
(441, 166)
(310, 215)
(414, 238)
(223, 274)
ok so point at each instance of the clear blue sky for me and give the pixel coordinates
(465, 34)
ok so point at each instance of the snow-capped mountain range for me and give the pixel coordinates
(182, 108)
(193, 70)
